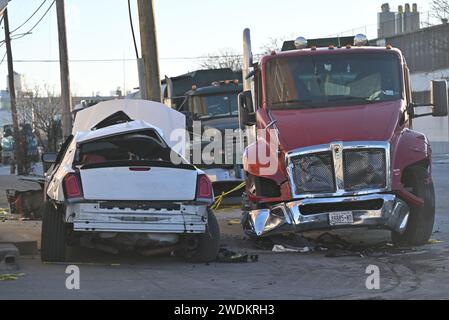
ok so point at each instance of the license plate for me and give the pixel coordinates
(341, 218)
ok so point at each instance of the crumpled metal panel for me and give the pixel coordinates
(265, 221)
(393, 215)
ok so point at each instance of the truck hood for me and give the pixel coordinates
(309, 127)
(221, 124)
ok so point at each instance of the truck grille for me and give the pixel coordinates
(340, 170)
(364, 169)
(314, 173)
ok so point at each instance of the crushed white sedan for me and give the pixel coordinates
(114, 187)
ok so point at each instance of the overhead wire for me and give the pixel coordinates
(37, 23)
(30, 17)
(132, 29)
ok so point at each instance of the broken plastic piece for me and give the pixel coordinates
(281, 249)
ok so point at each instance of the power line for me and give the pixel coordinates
(126, 59)
(3, 41)
(3, 59)
(132, 29)
(37, 23)
(32, 15)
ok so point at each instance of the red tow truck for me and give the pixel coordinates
(336, 123)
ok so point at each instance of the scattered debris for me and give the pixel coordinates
(227, 256)
(281, 248)
(234, 222)
(4, 215)
(434, 241)
(11, 277)
(27, 204)
(330, 244)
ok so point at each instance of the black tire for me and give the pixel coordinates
(208, 243)
(54, 235)
(421, 220)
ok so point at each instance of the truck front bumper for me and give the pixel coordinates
(104, 217)
(383, 211)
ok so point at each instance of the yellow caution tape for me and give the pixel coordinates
(220, 198)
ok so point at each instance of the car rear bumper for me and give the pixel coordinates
(385, 211)
(174, 219)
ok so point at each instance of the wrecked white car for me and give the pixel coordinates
(114, 187)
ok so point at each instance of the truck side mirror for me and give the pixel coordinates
(247, 114)
(439, 98)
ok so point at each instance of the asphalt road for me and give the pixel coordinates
(420, 273)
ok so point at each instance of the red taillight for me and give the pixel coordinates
(72, 187)
(204, 188)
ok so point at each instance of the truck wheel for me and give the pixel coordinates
(207, 244)
(54, 235)
(421, 220)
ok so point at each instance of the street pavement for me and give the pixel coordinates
(420, 273)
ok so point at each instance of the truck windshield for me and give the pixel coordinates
(211, 106)
(332, 80)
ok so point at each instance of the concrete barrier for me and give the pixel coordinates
(8, 257)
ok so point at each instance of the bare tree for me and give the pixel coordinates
(229, 58)
(225, 58)
(440, 9)
(272, 44)
(41, 108)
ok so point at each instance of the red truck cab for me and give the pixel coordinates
(336, 126)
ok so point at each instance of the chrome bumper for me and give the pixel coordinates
(90, 217)
(287, 217)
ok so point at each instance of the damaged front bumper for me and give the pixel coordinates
(384, 211)
(119, 218)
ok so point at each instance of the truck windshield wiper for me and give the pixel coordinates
(295, 101)
(351, 98)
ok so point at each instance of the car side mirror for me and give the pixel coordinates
(247, 113)
(49, 158)
(440, 103)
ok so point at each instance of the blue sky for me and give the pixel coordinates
(99, 29)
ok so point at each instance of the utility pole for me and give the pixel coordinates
(148, 39)
(66, 97)
(18, 148)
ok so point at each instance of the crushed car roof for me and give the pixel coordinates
(143, 113)
(114, 130)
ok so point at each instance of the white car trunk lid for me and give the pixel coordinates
(129, 183)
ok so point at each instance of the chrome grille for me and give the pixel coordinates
(364, 169)
(340, 169)
(314, 173)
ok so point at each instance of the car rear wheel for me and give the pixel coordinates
(421, 220)
(203, 248)
(54, 235)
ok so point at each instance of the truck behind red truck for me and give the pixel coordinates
(346, 152)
